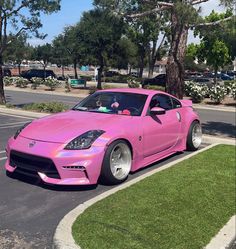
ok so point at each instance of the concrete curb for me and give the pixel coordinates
(63, 235)
(225, 237)
(21, 113)
(213, 139)
(214, 108)
(77, 95)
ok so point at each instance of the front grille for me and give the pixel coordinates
(34, 164)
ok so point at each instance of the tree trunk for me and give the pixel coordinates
(152, 59)
(215, 75)
(75, 69)
(2, 95)
(100, 70)
(63, 71)
(19, 68)
(175, 63)
(141, 63)
(44, 72)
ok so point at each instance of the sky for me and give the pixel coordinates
(71, 11)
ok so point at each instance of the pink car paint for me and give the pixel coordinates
(150, 139)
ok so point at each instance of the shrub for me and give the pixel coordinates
(67, 86)
(157, 88)
(86, 77)
(233, 90)
(92, 89)
(133, 83)
(8, 81)
(8, 105)
(36, 82)
(21, 82)
(50, 107)
(217, 93)
(230, 86)
(197, 93)
(188, 87)
(52, 83)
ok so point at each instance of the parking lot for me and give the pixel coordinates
(30, 210)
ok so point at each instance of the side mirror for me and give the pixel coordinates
(157, 111)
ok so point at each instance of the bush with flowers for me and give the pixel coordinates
(217, 93)
(52, 83)
(8, 81)
(36, 82)
(196, 91)
(21, 82)
(132, 83)
(233, 90)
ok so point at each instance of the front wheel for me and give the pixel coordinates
(194, 138)
(117, 163)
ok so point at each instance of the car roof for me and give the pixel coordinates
(133, 90)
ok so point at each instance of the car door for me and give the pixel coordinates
(161, 132)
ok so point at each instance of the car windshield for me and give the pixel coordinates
(119, 103)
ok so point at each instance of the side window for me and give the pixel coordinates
(176, 103)
(164, 101)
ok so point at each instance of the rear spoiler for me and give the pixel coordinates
(186, 103)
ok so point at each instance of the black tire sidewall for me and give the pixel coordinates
(190, 145)
(106, 175)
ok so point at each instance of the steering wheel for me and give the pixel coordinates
(133, 109)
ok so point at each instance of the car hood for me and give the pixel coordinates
(63, 127)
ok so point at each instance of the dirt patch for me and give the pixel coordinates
(13, 240)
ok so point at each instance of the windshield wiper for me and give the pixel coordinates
(83, 109)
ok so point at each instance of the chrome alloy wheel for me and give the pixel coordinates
(197, 135)
(120, 161)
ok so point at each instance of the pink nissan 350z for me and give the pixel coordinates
(106, 136)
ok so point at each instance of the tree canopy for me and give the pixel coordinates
(12, 14)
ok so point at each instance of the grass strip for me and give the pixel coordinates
(182, 207)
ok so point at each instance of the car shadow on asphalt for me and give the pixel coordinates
(219, 128)
(36, 181)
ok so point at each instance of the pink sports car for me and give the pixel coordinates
(107, 135)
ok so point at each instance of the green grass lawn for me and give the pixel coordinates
(182, 207)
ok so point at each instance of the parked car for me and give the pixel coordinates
(204, 81)
(159, 80)
(207, 81)
(225, 76)
(134, 74)
(106, 136)
(39, 73)
(6, 72)
(111, 73)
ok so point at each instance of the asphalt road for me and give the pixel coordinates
(214, 122)
(29, 210)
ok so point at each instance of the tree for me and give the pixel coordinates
(215, 53)
(182, 16)
(18, 50)
(73, 46)
(43, 54)
(100, 32)
(217, 46)
(12, 12)
(126, 55)
(61, 55)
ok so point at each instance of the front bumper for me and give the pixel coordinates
(74, 167)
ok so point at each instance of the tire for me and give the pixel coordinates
(116, 163)
(194, 138)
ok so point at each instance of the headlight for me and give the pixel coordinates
(84, 141)
(20, 130)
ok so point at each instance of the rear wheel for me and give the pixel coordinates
(194, 138)
(117, 163)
